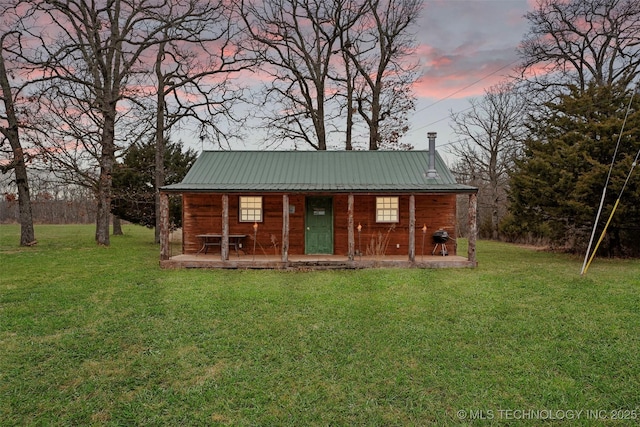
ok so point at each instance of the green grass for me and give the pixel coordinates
(101, 336)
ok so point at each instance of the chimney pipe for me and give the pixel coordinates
(432, 173)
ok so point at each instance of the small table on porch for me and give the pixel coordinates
(235, 240)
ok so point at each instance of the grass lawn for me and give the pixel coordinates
(101, 336)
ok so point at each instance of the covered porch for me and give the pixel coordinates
(228, 253)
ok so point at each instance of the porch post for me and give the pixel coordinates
(164, 226)
(350, 237)
(473, 227)
(412, 228)
(224, 243)
(285, 228)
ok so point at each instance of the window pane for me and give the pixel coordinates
(387, 209)
(250, 209)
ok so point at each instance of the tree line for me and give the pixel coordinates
(541, 145)
(84, 82)
(50, 203)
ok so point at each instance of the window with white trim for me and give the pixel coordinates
(250, 208)
(387, 209)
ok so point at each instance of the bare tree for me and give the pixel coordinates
(97, 61)
(397, 101)
(193, 71)
(335, 58)
(491, 133)
(349, 81)
(91, 62)
(295, 40)
(347, 78)
(10, 50)
(379, 46)
(582, 41)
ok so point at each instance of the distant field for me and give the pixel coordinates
(101, 336)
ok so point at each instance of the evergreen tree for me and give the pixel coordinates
(557, 185)
(133, 182)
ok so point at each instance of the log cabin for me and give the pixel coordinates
(318, 209)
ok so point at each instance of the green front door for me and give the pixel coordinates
(318, 236)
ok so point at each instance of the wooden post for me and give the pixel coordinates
(350, 236)
(412, 228)
(165, 252)
(285, 228)
(224, 243)
(473, 227)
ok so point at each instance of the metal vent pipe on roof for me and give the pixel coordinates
(432, 172)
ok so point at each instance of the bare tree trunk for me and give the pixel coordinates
(102, 217)
(11, 133)
(491, 134)
(319, 122)
(350, 92)
(107, 159)
(349, 130)
(374, 126)
(27, 233)
(159, 158)
(495, 197)
(165, 244)
(117, 226)
(495, 210)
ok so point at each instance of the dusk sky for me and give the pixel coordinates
(466, 46)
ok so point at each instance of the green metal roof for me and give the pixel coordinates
(316, 171)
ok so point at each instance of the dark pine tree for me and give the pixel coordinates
(133, 182)
(557, 185)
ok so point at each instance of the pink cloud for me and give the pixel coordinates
(463, 72)
(472, 83)
(467, 46)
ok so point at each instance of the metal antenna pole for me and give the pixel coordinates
(604, 190)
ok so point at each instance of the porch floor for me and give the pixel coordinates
(244, 261)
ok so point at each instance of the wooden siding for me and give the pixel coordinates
(436, 211)
(202, 213)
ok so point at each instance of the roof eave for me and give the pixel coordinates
(443, 190)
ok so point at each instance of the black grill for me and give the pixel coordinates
(440, 236)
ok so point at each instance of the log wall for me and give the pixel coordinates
(434, 211)
(202, 213)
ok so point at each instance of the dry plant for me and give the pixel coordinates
(274, 244)
(257, 242)
(379, 243)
